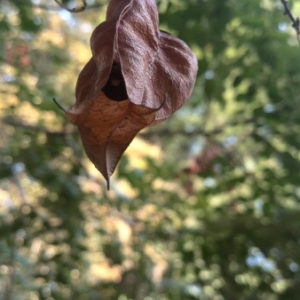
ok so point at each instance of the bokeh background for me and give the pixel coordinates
(203, 206)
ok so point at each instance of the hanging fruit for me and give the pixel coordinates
(137, 76)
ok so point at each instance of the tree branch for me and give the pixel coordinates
(199, 131)
(53, 7)
(295, 21)
(75, 9)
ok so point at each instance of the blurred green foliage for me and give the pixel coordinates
(204, 206)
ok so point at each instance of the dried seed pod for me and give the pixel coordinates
(137, 76)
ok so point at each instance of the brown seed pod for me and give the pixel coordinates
(137, 76)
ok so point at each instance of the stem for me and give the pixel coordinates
(295, 21)
(75, 9)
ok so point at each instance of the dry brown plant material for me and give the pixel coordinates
(137, 76)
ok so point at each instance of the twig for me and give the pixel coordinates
(295, 21)
(41, 6)
(75, 9)
(49, 7)
(164, 132)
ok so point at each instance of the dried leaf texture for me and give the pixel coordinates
(137, 76)
(109, 127)
(157, 67)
